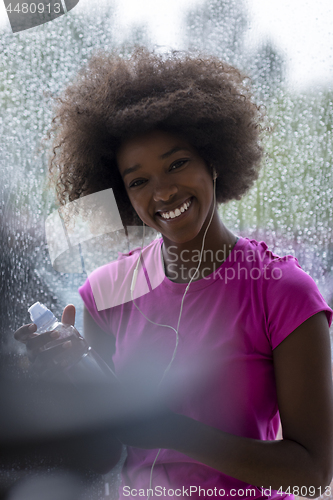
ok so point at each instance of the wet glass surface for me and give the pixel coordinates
(290, 207)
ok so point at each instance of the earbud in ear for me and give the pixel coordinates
(215, 176)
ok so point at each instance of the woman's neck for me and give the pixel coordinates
(182, 259)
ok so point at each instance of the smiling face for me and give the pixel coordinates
(168, 184)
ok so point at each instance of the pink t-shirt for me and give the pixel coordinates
(223, 371)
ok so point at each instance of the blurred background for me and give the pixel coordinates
(286, 48)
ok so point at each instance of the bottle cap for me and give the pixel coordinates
(40, 314)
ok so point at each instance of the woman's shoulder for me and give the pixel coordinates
(111, 284)
(289, 294)
(250, 250)
(278, 272)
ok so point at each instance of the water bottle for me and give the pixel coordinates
(86, 365)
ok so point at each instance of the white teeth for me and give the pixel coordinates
(173, 214)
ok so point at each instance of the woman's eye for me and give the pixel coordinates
(136, 183)
(178, 164)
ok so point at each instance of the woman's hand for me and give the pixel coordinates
(45, 360)
(99, 450)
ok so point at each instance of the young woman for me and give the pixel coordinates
(238, 335)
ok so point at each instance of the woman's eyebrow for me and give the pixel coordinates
(172, 151)
(131, 169)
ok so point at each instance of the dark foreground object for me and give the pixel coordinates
(54, 433)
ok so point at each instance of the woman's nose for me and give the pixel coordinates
(163, 190)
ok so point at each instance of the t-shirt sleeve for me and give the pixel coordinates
(102, 318)
(290, 297)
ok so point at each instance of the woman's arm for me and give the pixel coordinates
(302, 364)
(97, 451)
